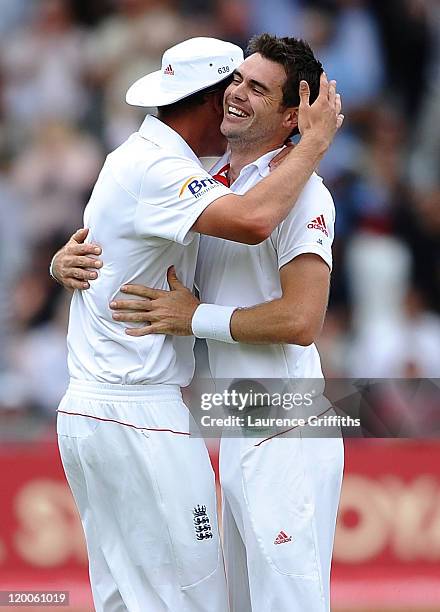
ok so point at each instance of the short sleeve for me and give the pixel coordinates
(309, 228)
(173, 194)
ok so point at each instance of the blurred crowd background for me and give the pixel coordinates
(64, 68)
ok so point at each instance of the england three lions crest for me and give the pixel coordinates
(202, 525)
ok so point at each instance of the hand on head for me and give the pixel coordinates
(324, 116)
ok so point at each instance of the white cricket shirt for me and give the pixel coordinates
(233, 274)
(149, 194)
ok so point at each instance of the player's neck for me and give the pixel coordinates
(196, 134)
(183, 128)
(242, 155)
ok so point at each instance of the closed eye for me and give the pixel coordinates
(236, 77)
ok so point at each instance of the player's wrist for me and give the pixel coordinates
(213, 322)
(52, 270)
(318, 141)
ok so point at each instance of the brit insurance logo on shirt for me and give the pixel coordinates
(198, 186)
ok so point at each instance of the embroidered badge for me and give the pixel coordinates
(201, 523)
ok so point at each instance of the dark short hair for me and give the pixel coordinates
(297, 59)
(193, 101)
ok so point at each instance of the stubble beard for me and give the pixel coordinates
(240, 138)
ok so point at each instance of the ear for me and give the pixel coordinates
(290, 120)
(217, 100)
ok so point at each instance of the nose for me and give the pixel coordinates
(239, 91)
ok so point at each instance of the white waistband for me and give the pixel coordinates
(92, 389)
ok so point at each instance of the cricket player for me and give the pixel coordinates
(143, 486)
(280, 495)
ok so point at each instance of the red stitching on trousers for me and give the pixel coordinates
(89, 416)
(290, 429)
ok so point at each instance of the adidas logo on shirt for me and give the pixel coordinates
(282, 538)
(318, 223)
(169, 70)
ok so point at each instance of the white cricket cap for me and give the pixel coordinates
(187, 68)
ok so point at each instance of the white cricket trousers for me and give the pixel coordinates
(145, 491)
(280, 501)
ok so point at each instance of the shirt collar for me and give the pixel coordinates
(220, 163)
(261, 164)
(162, 135)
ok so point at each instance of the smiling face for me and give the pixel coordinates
(253, 110)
